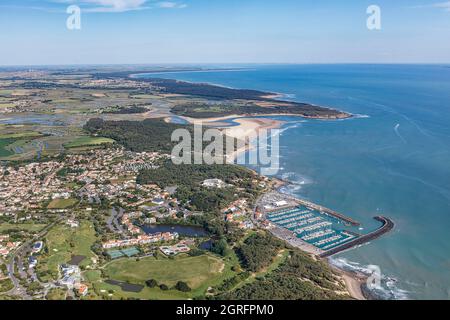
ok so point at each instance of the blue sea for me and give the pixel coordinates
(392, 159)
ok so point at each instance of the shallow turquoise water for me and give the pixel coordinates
(393, 160)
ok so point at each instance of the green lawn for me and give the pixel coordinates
(62, 203)
(278, 260)
(62, 242)
(6, 285)
(87, 141)
(20, 135)
(3, 151)
(57, 294)
(31, 227)
(142, 96)
(5, 92)
(199, 272)
(10, 143)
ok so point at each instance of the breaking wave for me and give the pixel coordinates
(295, 182)
(388, 289)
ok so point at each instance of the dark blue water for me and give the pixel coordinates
(393, 160)
(44, 119)
(188, 231)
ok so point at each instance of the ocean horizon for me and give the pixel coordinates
(391, 159)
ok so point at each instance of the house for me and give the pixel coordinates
(214, 183)
(151, 220)
(158, 201)
(73, 223)
(175, 249)
(32, 262)
(37, 247)
(280, 203)
(82, 290)
(71, 276)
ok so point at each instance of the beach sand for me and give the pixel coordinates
(246, 127)
(353, 282)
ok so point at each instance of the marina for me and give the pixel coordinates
(314, 228)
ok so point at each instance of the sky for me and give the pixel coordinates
(34, 32)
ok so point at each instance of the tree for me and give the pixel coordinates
(182, 286)
(164, 287)
(151, 283)
(220, 247)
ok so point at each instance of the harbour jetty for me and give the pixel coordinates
(387, 226)
(329, 211)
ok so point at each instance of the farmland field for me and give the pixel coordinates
(87, 141)
(62, 243)
(61, 203)
(32, 227)
(3, 151)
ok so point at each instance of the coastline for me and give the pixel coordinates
(354, 281)
(248, 124)
(246, 127)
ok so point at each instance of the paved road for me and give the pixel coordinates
(18, 254)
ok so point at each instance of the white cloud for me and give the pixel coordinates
(171, 5)
(441, 5)
(444, 5)
(122, 5)
(107, 5)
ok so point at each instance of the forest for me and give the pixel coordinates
(299, 277)
(203, 110)
(188, 179)
(152, 135)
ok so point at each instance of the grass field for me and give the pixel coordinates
(20, 135)
(62, 203)
(5, 92)
(87, 141)
(31, 227)
(57, 294)
(3, 151)
(62, 243)
(199, 272)
(16, 146)
(6, 285)
(142, 96)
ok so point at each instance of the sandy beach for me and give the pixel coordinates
(246, 127)
(353, 282)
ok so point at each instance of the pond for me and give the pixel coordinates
(206, 245)
(125, 286)
(42, 119)
(76, 260)
(187, 231)
(178, 120)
